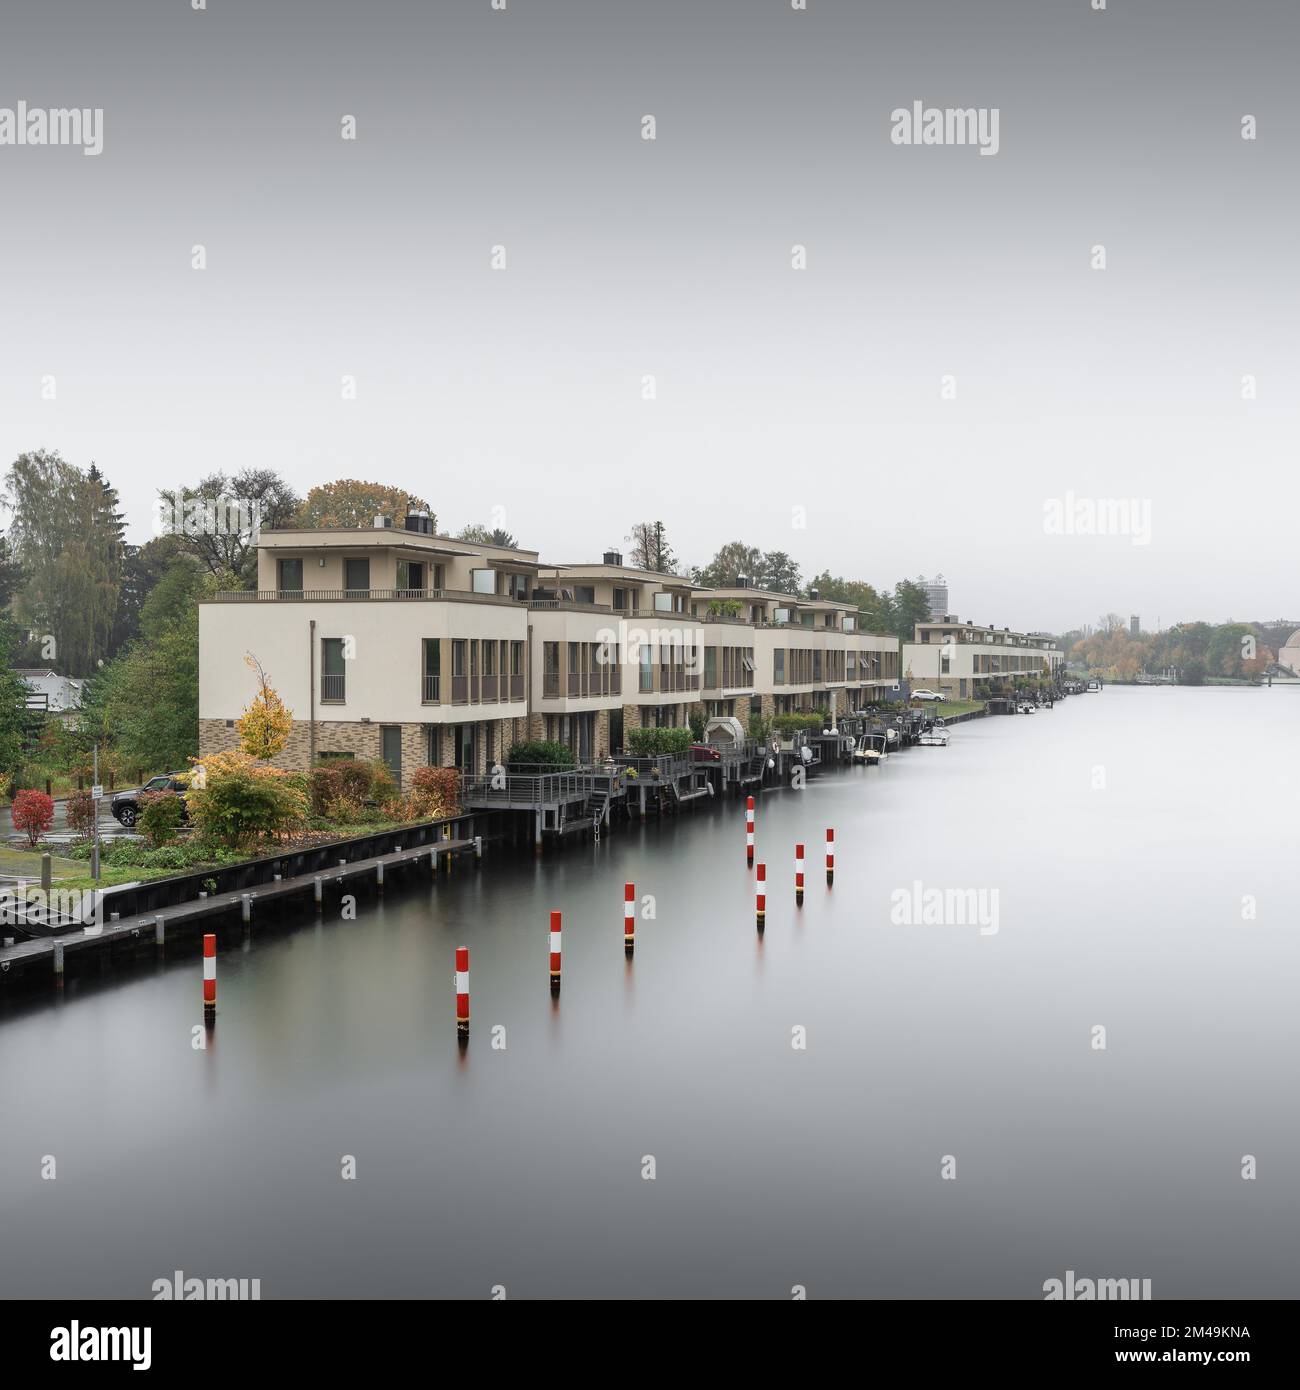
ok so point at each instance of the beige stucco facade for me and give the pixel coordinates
(965, 660)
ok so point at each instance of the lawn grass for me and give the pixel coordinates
(947, 709)
(27, 864)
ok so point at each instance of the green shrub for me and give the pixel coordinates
(652, 743)
(812, 719)
(160, 815)
(244, 802)
(546, 752)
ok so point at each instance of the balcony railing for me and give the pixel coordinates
(332, 689)
(432, 687)
(357, 595)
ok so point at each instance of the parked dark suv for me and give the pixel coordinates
(125, 806)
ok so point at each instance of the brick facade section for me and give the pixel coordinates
(363, 741)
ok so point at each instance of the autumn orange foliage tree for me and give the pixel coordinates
(264, 726)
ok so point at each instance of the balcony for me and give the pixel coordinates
(358, 595)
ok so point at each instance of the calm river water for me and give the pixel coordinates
(1118, 905)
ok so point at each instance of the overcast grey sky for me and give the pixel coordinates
(522, 389)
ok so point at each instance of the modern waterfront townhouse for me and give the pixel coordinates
(781, 653)
(970, 661)
(383, 642)
(396, 643)
(615, 648)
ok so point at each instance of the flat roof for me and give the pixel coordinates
(391, 535)
(602, 571)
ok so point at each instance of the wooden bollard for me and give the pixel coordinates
(798, 875)
(209, 974)
(830, 855)
(760, 894)
(555, 951)
(462, 991)
(47, 872)
(433, 863)
(159, 931)
(629, 917)
(58, 963)
(478, 847)
(318, 894)
(749, 831)
(379, 876)
(246, 908)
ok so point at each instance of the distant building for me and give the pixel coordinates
(970, 661)
(1289, 656)
(1134, 625)
(49, 691)
(936, 592)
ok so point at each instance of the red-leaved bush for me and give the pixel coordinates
(33, 814)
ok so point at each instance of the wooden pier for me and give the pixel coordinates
(190, 917)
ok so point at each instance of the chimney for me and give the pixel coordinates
(419, 522)
(612, 557)
(383, 523)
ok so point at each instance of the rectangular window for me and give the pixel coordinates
(850, 622)
(550, 668)
(356, 575)
(483, 581)
(390, 748)
(778, 666)
(584, 593)
(663, 603)
(620, 598)
(782, 615)
(711, 668)
(332, 669)
(410, 576)
(459, 675)
(517, 586)
(647, 668)
(290, 576)
(433, 744)
(432, 685)
(817, 666)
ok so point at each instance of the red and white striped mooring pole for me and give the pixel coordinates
(749, 831)
(462, 991)
(798, 875)
(555, 950)
(209, 974)
(830, 855)
(760, 894)
(629, 917)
